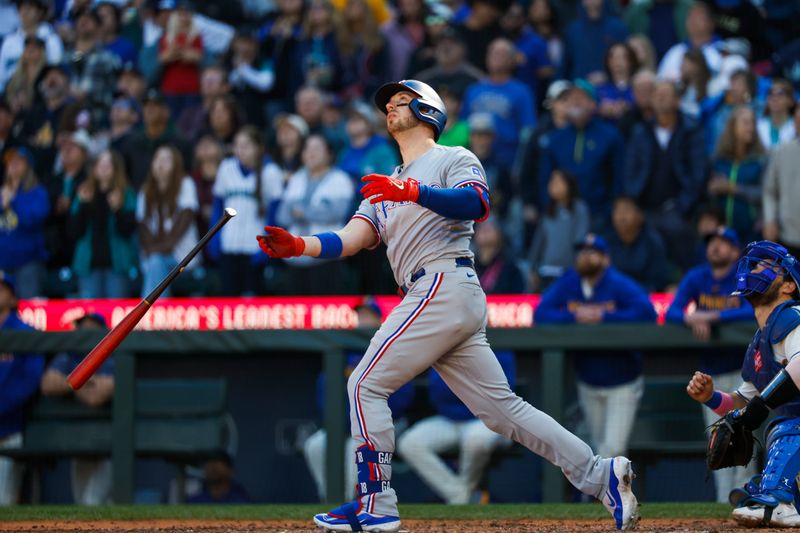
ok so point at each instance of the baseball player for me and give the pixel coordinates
(424, 213)
(768, 276)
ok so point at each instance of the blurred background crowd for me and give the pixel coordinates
(127, 126)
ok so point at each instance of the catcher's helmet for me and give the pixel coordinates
(428, 106)
(771, 255)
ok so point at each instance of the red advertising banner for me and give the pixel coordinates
(217, 314)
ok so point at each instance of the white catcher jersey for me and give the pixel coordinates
(415, 235)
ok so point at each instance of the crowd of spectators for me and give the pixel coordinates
(126, 126)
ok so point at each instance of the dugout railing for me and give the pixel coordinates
(670, 341)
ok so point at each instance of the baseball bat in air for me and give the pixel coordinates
(113, 338)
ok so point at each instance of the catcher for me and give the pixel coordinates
(768, 276)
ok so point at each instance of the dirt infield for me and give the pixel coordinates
(660, 525)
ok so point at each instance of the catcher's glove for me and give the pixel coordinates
(731, 439)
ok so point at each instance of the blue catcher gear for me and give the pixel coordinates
(772, 258)
(428, 106)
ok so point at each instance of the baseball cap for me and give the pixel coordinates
(556, 90)
(594, 242)
(19, 151)
(729, 234)
(481, 122)
(96, 317)
(296, 121)
(586, 87)
(369, 303)
(9, 281)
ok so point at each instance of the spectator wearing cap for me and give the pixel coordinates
(699, 34)
(735, 184)
(318, 197)
(369, 316)
(180, 51)
(19, 382)
(366, 152)
(562, 225)
(662, 22)
(91, 477)
(21, 88)
(610, 383)
(157, 128)
(251, 78)
(39, 127)
(32, 16)
(495, 266)
(703, 301)
(781, 188)
(482, 140)
(636, 249)
(776, 127)
(126, 113)
(526, 172)
(742, 19)
(480, 28)
(665, 170)
(213, 84)
(248, 184)
(166, 209)
(588, 148)
(587, 39)
(534, 67)
(615, 95)
(103, 225)
(94, 68)
(642, 86)
(110, 15)
(510, 102)
(74, 153)
(318, 51)
(451, 68)
(23, 210)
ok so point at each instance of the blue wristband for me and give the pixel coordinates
(715, 400)
(330, 245)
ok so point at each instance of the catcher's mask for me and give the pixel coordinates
(761, 263)
(427, 107)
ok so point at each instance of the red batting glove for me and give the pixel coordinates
(385, 189)
(280, 243)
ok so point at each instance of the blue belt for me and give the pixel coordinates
(460, 262)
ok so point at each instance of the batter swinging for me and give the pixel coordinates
(424, 213)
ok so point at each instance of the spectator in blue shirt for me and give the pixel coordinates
(19, 382)
(91, 477)
(590, 150)
(610, 383)
(704, 300)
(24, 207)
(588, 37)
(453, 427)
(507, 99)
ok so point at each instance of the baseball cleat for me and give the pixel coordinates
(619, 498)
(349, 517)
(783, 515)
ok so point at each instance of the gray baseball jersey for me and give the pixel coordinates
(441, 322)
(414, 235)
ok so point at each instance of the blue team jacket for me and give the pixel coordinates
(710, 294)
(447, 403)
(624, 301)
(19, 381)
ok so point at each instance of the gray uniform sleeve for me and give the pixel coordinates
(465, 171)
(366, 212)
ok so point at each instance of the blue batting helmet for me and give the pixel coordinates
(428, 106)
(768, 254)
